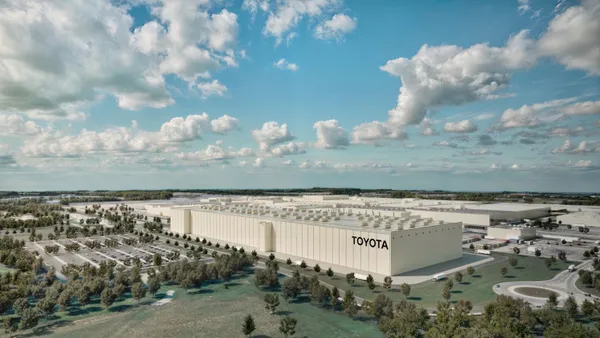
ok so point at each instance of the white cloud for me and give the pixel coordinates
(465, 126)
(515, 166)
(583, 108)
(445, 144)
(219, 142)
(224, 124)
(119, 139)
(253, 6)
(14, 124)
(271, 134)
(569, 147)
(213, 88)
(330, 135)
(335, 28)
(288, 162)
(484, 116)
(452, 75)
(242, 164)
(286, 15)
(180, 129)
(563, 131)
(374, 132)
(427, 128)
(524, 6)
(291, 148)
(212, 152)
(312, 164)
(55, 56)
(529, 115)
(495, 166)
(573, 37)
(284, 64)
(583, 163)
(259, 162)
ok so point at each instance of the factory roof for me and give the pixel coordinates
(515, 207)
(331, 217)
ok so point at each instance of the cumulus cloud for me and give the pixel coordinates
(573, 37)
(524, 6)
(484, 116)
(330, 135)
(259, 162)
(445, 144)
(427, 128)
(583, 108)
(271, 134)
(583, 164)
(224, 124)
(285, 65)
(452, 75)
(242, 164)
(465, 126)
(213, 88)
(57, 55)
(568, 147)
(284, 16)
(215, 153)
(335, 28)
(374, 132)
(291, 148)
(14, 124)
(118, 139)
(565, 131)
(312, 164)
(530, 115)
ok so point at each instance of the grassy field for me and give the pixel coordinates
(477, 288)
(211, 312)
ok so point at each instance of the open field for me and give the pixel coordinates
(476, 288)
(211, 312)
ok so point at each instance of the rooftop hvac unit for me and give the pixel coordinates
(337, 218)
(388, 226)
(412, 225)
(365, 224)
(306, 218)
(298, 217)
(324, 220)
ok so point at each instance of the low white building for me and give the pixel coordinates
(345, 241)
(587, 218)
(511, 232)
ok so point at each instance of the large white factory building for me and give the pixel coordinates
(345, 239)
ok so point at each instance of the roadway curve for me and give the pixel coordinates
(563, 283)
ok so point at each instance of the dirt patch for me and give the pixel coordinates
(534, 292)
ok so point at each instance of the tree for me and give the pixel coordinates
(369, 279)
(317, 268)
(47, 305)
(446, 293)
(552, 301)
(371, 285)
(272, 302)
(387, 282)
(329, 273)
(335, 295)
(571, 307)
(107, 297)
(303, 265)
(153, 285)
(472, 247)
(349, 303)
(271, 257)
(20, 305)
(513, 262)
(449, 284)
(381, 306)
(538, 253)
(516, 250)
(29, 319)
(248, 325)
(157, 259)
(405, 288)
(587, 308)
(291, 288)
(470, 270)
(458, 276)
(408, 321)
(287, 326)
(138, 291)
(504, 270)
(586, 254)
(288, 262)
(83, 295)
(350, 278)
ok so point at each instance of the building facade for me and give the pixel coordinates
(381, 245)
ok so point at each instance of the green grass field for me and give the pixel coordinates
(212, 312)
(476, 288)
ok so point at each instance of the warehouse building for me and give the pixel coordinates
(508, 232)
(382, 245)
(583, 218)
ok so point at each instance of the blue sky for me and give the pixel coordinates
(456, 95)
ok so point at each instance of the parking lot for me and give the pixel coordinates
(550, 247)
(120, 254)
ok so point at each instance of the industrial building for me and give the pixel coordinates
(508, 232)
(582, 218)
(378, 242)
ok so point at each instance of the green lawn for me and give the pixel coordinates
(477, 288)
(587, 289)
(212, 312)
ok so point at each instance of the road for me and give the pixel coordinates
(563, 284)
